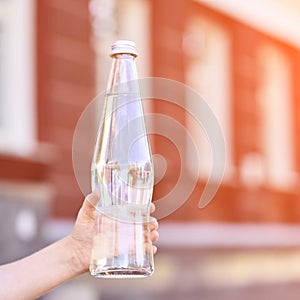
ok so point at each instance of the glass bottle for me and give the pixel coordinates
(122, 170)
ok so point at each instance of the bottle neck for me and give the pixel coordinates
(123, 75)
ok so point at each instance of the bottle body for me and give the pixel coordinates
(122, 171)
(122, 245)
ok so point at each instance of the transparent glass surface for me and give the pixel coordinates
(122, 246)
(122, 171)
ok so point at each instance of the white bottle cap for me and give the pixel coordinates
(123, 46)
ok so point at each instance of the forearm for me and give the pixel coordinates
(34, 275)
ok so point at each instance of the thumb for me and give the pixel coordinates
(88, 210)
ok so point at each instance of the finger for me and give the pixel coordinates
(88, 210)
(94, 197)
(152, 208)
(150, 248)
(154, 249)
(154, 235)
(153, 224)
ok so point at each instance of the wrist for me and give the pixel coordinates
(76, 259)
(74, 256)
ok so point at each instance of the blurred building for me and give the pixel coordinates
(47, 78)
(242, 60)
(242, 57)
(47, 68)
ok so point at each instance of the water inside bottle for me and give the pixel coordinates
(122, 247)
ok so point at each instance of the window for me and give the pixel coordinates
(17, 103)
(207, 48)
(275, 101)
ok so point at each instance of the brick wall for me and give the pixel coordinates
(234, 202)
(65, 85)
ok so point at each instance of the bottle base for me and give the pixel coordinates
(119, 273)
